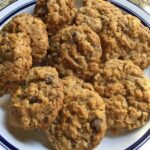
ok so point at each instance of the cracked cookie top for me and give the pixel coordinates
(75, 50)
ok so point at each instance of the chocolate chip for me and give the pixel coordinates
(49, 79)
(33, 99)
(95, 125)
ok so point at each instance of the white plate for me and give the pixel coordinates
(11, 138)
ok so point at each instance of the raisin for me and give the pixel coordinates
(68, 120)
(45, 120)
(33, 99)
(95, 125)
(73, 142)
(1, 60)
(49, 79)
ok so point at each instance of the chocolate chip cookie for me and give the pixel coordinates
(55, 13)
(126, 93)
(35, 29)
(15, 60)
(81, 122)
(35, 104)
(75, 50)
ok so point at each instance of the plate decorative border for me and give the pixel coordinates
(130, 8)
(141, 3)
(8, 146)
(15, 11)
(5, 3)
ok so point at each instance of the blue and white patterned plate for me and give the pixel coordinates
(13, 139)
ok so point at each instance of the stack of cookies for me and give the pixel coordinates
(76, 74)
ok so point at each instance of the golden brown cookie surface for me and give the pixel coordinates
(122, 35)
(104, 7)
(89, 16)
(75, 50)
(35, 29)
(126, 38)
(15, 59)
(55, 13)
(126, 93)
(96, 14)
(36, 104)
(81, 122)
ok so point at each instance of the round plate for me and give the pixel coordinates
(11, 138)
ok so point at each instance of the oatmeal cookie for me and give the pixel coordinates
(55, 13)
(104, 7)
(35, 29)
(96, 14)
(75, 50)
(122, 36)
(126, 38)
(126, 93)
(89, 16)
(35, 104)
(15, 60)
(81, 122)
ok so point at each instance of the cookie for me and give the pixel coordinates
(104, 7)
(15, 60)
(126, 93)
(126, 38)
(122, 36)
(8, 87)
(55, 13)
(35, 29)
(89, 16)
(75, 50)
(35, 104)
(81, 123)
(96, 14)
